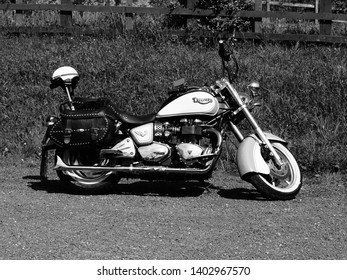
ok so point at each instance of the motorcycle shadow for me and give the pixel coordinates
(242, 194)
(149, 188)
(131, 187)
(159, 188)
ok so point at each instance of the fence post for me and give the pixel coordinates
(66, 16)
(268, 9)
(258, 6)
(325, 25)
(19, 14)
(129, 18)
(268, 5)
(190, 4)
(316, 10)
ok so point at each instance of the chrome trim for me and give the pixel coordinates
(60, 165)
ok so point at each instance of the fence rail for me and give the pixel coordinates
(324, 17)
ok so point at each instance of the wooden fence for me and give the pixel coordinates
(322, 15)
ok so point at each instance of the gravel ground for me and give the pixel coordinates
(170, 220)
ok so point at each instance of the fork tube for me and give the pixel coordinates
(262, 136)
(253, 122)
(236, 132)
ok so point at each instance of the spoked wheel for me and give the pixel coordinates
(85, 180)
(283, 182)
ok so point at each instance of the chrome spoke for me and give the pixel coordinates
(86, 178)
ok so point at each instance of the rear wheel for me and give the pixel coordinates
(83, 180)
(283, 182)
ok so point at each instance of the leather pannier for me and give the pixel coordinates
(92, 123)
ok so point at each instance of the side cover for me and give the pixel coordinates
(143, 134)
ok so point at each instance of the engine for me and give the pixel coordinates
(188, 131)
(179, 143)
(186, 138)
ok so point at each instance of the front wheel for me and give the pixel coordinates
(283, 182)
(85, 181)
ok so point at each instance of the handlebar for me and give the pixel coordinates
(226, 54)
(223, 52)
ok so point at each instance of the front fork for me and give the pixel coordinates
(259, 132)
(243, 109)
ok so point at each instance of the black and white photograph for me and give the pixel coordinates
(173, 139)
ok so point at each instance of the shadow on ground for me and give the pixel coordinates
(242, 193)
(148, 188)
(131, 187)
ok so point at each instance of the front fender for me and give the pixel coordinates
(249, 158)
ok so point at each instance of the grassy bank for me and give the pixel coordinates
(303, 87)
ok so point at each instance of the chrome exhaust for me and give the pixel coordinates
(60, 165)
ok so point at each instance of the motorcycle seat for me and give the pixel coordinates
(110, 109)
(134, 119)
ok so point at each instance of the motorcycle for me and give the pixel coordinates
(96, 144)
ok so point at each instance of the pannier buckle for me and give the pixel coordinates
(94, 134)
(67, 135)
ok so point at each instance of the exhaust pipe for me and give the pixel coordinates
(60, 165)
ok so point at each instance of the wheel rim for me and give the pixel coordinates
(287, 177)
(85, 178)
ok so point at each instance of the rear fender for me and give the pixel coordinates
(249, 158)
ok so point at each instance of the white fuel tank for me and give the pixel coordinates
(193, 103)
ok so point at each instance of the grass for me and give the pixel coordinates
(303, 87)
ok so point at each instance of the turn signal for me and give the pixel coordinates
(51, 120)
(254, 89)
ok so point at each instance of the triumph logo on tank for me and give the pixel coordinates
(202, 100)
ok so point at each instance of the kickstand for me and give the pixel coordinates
(205, 186)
